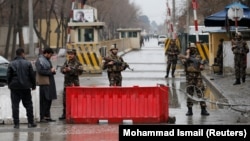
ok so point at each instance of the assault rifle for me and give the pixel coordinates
(59, 66)
(196, 60)
(118, 63)
(239, 47)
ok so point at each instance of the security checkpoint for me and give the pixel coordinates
(85, 104)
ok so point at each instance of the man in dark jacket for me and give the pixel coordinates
(45, 79)
(21, 79)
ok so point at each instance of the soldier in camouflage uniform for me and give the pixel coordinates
(193, 67)
(114, 65)
(172, 54)
(240, 50)
(71, 69)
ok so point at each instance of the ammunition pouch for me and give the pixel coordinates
(192, 68)
(193, 64)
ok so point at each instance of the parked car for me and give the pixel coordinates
(3, 70)
(162, 39)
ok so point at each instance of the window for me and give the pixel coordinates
(123, 34)
(86, 35)
(132, 34)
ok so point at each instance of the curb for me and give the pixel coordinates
(215, 88)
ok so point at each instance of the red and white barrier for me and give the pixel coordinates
(195, 6)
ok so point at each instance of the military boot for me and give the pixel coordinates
(237, 82)
(167, 74)
(189, 112)
(204, 112)
(173, 73)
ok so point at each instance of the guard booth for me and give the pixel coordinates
(84, 37)
(134, 35)
(228, 56)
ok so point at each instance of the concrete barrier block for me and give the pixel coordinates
(6, 110)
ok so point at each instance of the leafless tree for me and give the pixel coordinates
(115, 14)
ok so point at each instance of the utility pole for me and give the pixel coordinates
(187, 20)
(195, 6)
(31, 39)
(169, 21)
(173, 20)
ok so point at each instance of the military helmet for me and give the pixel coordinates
(192, 45)
(238, 33)
(113, 47)
(173, 41)
(71, 51)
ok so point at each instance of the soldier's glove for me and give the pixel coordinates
(181, 56)
(201, 67)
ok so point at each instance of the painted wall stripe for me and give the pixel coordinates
(206, 50)
(203, 51)
(81, 52)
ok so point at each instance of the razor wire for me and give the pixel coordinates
(197, 99)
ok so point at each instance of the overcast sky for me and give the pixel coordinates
(154, 9)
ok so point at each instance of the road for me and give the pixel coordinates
(149, 70)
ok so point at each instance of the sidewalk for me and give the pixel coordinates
(237, 97)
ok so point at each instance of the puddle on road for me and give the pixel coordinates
(177, 96)
(213, 100)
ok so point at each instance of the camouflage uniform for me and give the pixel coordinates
(172, 54)
(115, 68)
(240, 50)
(71, 78)
(114, 71)
(194, 79)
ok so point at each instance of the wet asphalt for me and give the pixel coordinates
(236, 98)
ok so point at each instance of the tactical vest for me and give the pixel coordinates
(194, 61)
(76, 66)
(118, 64)
(172, 49)
(239, 47)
